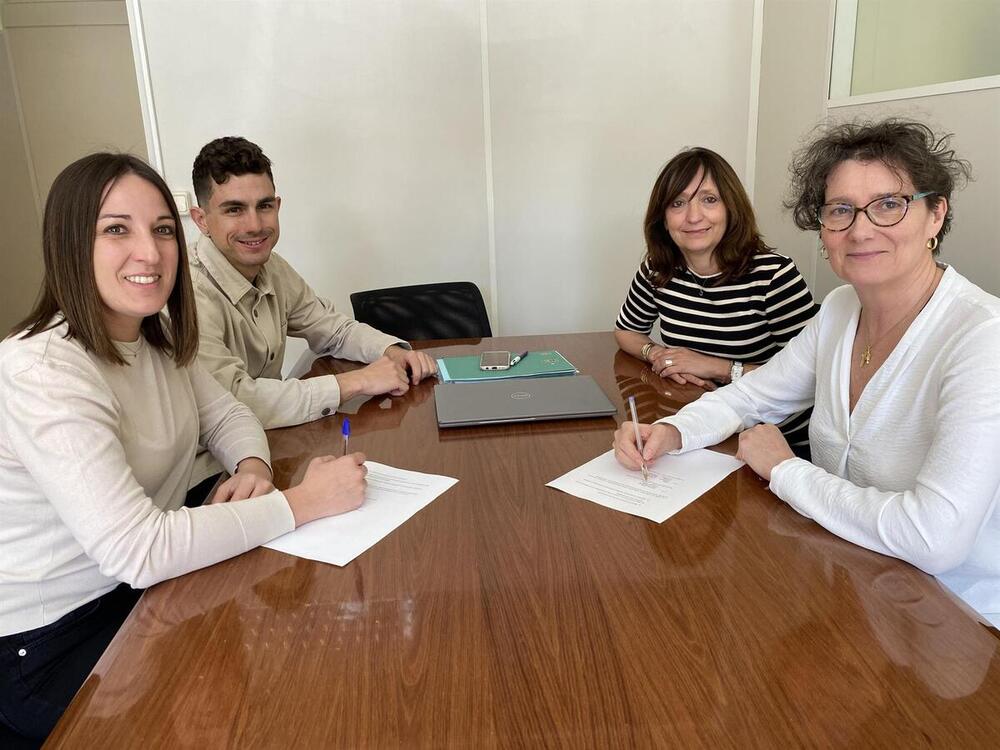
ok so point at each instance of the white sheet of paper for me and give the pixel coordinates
(674, 482)
(393, 496)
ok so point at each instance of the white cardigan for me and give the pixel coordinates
(95, 461)
(914, 471)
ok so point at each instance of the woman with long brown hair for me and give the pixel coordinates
(102, 408)
(724, 300)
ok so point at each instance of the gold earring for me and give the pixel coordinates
(932, 244)
(823, 252)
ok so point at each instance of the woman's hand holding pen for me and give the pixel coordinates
(330, 486)
(657, 439)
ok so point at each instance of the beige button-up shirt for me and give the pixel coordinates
(243, 328)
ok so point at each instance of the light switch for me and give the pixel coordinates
(182, 201)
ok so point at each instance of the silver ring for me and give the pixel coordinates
(667, 363)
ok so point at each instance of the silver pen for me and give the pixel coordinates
(638, 438)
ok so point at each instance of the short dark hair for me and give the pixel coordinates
(739, 243)
(222, 158)
(69, 286)
(907, 147)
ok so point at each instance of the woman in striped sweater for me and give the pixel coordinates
(725, 301)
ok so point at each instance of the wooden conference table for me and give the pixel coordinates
(507, 614)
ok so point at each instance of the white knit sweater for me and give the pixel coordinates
(94, 466)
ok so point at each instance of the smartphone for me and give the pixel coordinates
(494, 361)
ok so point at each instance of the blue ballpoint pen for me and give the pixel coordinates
(345, 430)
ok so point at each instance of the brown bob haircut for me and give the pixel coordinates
(908, 148)
(69, 288)
(741, 240)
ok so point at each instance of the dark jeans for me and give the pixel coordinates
(41, 669)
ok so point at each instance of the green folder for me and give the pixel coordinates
(534, 365)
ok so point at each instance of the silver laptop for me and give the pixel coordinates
(520, 400)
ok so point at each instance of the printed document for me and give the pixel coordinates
(674, 482)
(393, 495)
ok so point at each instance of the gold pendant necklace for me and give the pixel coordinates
(866, 353)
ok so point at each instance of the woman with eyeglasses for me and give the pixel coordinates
(901, 366)
(725, 301)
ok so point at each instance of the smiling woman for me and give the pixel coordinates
(901, 365)
(103, 409)
(135, 255)
(725, 301)
(88, 213)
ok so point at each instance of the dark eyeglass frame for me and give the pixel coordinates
(907, 200)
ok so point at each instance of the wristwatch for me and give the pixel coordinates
(735, 371)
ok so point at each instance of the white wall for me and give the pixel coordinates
(792, 100)
(373, 113)
(589, 100)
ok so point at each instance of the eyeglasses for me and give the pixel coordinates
(882, 212)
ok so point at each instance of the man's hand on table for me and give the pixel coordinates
(419, 364)
(384, 375)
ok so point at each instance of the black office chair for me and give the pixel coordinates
(449, 310)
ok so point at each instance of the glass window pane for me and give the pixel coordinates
(900, 44)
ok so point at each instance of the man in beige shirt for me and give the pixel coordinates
(250, 299)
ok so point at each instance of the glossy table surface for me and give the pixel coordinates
(508, 614)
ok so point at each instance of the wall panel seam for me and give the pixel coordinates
(144, 84)
(756, 48)
(488, 155)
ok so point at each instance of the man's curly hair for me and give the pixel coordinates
(225, 157)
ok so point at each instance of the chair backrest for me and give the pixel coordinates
(449, 310)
